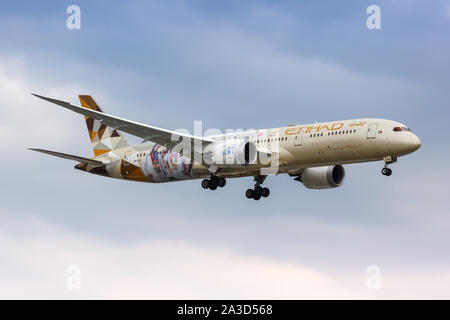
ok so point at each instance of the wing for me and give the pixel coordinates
(68, 156)
(167, 138)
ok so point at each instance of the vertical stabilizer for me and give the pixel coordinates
(103, 138)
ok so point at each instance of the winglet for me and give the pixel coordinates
(59, 102)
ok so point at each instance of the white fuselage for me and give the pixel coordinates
(337, 142)
(296, 147)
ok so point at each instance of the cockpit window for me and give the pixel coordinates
(402, 129)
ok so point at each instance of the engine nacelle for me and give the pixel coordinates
(231, 153)
(323, 177)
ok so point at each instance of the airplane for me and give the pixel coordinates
(313, 154)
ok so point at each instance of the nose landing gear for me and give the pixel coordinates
(386, 171)
(388, 160)
(258, 191)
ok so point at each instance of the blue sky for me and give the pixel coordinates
(231, 65)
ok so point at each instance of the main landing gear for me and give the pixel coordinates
(258, 191)
(388, 160)
(213, 183)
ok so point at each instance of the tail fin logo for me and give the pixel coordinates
(103, 138)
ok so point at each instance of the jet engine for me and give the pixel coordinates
(322, 177)
(231, 153)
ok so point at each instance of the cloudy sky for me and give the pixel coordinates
(231, 64)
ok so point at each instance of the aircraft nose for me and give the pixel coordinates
(414, 142)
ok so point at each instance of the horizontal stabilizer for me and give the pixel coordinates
(68, 156)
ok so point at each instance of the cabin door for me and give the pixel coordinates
(372, 130)
(298, 140)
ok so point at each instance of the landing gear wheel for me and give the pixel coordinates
(249, 193)
(205, 183)
(257, 193)
(389, 172)
(221, 182)
(256, 196)
(386, 171)
(213, 184)
(265, 192)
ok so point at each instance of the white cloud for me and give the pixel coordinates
(26, 120)
(35, 264)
